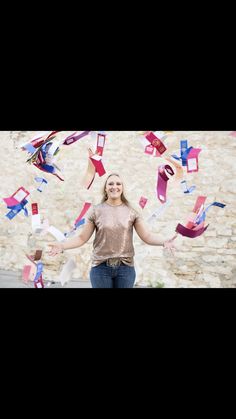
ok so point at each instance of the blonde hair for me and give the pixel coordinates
(104, 197)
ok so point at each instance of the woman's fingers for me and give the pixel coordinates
(55, 249)
(170, 247)
(173, 238)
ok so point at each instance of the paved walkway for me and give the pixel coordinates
(10, 279)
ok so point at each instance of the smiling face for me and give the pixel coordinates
(114, 188)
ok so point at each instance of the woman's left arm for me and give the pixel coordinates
(151, 238)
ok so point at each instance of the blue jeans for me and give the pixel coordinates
(103, 276)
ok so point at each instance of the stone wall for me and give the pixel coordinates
(207, 261)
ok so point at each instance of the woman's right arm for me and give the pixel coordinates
(74, 242)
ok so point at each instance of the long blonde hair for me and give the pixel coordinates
(104, 197)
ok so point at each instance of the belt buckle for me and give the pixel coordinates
(113, 262)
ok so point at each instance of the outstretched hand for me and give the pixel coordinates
(56, 248)
(169, 245)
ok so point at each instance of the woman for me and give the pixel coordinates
(113, 252)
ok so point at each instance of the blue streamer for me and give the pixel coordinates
(202, 217)
(15, 209)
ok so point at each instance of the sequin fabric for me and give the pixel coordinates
(114, 233)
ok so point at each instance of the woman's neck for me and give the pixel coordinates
(114, 202)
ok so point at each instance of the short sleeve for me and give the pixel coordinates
(137, 217)
(91, 215)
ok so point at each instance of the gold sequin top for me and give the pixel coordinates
(114, 232)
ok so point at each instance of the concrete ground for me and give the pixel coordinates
(10, 279)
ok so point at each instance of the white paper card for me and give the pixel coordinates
(67, 270)
(192, 164)
(101, 141)
(56, 233)
(20, 195)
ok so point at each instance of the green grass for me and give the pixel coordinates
(155, 284)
